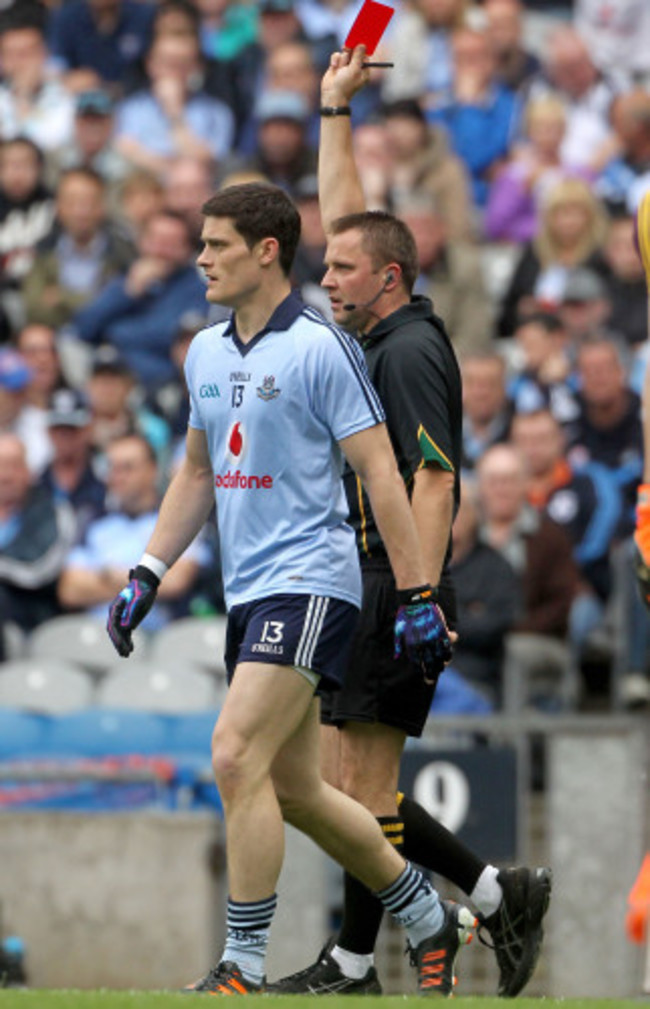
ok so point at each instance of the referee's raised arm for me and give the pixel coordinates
(339, 184)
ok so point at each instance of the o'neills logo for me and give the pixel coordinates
(240, 480)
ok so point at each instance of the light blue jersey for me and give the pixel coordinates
(273, 411)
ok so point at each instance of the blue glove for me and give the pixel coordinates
(421, 631)
(130, 607)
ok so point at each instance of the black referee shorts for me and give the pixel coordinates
(376, 686)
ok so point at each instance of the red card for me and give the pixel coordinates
(369, 26)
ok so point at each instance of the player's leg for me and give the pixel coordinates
(263, 708)
(350, 834)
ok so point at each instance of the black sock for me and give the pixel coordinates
(432, 846)
(362, 912)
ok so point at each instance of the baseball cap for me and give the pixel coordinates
(583, 285)
(282, 105)
(275, 6)
(68, 408)
(14, 372)
(94, 103)
(108, 359)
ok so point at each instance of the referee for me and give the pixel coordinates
(372, 265)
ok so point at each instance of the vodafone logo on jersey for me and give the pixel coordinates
(236, 442)
(236, 445)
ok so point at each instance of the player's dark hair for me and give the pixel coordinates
(259, 210)
(385, 239)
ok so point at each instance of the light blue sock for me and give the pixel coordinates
(414, 903)
(248, 936)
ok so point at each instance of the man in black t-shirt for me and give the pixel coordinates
(371, 262)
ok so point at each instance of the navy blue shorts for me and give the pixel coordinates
(310, 633)
(378, 687)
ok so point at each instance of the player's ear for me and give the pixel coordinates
(268, 251)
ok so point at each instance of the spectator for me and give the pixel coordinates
(37, 345)
(308, 264)
(226, 27)
(81, 254)
(504, 25)
(451, 275)
(486, 409)
(188, 184)
(571, 233)
(487, 599)
(35, 537)
(70, 475)
(570, 72)
(172, 115)
(97, 567)
(17, 415)
(26, 215)
(370, 145)
(608, 426)
(585, 502)
(92, 145)
(625, 280)
(481, 114)
(420, 45)
(138, 312)
(171, 399)
(290, 67)
(617, 36)
(540, 553)
(626, 177)
(533, 168)
(116, 409)
(422, 164)
(103, 35)
(544, 376)
(141, 196)
(585, 306)
(33, 101)
(283, 154)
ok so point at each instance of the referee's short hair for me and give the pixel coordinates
(385, 239)
(259, 210)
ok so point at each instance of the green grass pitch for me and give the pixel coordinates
(67, 999)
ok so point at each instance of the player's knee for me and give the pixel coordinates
(296, 804)
(229, 763)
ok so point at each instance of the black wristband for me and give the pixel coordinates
(145, 575)
(420, 594)
(334, 110)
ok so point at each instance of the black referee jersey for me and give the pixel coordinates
(414, 369)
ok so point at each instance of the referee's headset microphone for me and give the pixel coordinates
(388, 279)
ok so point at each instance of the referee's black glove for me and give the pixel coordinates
(130, 607)
(421, 631)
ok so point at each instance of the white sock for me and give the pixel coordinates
(487, 894)
(353, 965)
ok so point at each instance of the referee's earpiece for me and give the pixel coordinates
(389, 278)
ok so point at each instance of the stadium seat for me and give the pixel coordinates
(198, 640)
(78, 638)
(157, 687)
(22, 734)
(15, 641)
(191, 732)
(104, 732)
(44, 685)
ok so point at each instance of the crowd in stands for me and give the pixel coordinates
(516, 156)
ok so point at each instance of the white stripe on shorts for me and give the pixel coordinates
(316, 611)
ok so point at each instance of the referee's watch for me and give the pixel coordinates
(327, 111)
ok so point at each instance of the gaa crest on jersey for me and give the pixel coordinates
(267, 389)
(236, 443)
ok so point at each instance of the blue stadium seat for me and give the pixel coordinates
(190, 733)
(106, 732)
(22, 734)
